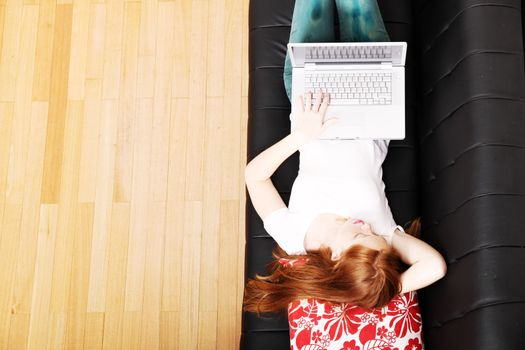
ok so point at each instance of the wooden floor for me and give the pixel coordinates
(122, 154)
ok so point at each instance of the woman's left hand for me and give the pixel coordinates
(310, 119)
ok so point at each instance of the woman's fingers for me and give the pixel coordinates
(324, 105)
(317, 102)
(320, 104)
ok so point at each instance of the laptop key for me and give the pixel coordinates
(344, 102)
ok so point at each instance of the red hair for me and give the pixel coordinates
(363, 276)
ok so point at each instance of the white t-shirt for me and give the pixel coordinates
(341, 177)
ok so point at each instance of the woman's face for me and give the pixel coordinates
(347, 232)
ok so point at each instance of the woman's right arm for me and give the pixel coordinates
(427, 265)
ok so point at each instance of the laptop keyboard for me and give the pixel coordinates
(365, 88)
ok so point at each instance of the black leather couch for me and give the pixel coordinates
(461, 166)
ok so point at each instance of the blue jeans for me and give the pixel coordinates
(313, 21)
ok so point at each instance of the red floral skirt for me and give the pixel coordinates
(324, 326)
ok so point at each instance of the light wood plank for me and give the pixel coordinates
(103, 207)
(9, 58)
(197, 102)
(96, 42)
(112, 49)
(30, 2)
(44, 51)
(79, 46)
(41, 293)
(76, 320)
(57, 325)
(2, 21)
(118, 256)
(227, 308)
(183, 37)
(190, 275)
(127, 105)
(140, 207)
(131, 330)
(232, 102)
(175, 211)
(89, 152)
(245, 48)
(169, 323)
(57, 105)
(207, 330)
(113, 326)
(171, 283)
(18, 331)
(242, 217)
(150, 330)
(148, 29)
(6, 119)
(22, 108)
(74, 330)
(118, 247)
(162, 101)
(212, 202)
(9, 246)
(146, 77)
(68, 207)
(217, 44)
(93, 333)
(25, 268)
(147, 44)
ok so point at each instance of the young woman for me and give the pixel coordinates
(338, 232)
(338, 203)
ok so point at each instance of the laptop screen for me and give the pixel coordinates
(358, 52)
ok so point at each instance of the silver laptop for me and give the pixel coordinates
(366, 82)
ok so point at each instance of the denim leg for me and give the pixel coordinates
(360, 21)
(312, 21)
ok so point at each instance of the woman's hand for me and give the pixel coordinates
(310, 119)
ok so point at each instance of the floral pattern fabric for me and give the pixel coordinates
(316, 325)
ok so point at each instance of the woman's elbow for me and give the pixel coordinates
(441, 267)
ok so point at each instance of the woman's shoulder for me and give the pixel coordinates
(288, 228)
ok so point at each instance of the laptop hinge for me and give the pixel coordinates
(312, 65)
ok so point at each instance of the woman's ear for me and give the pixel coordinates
(366, 227)
(336, 255)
